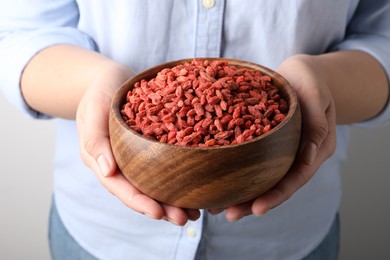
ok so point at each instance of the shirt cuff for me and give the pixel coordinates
(18, 48)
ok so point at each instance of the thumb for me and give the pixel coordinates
(315, 131)
(97, 153)
(95, 147)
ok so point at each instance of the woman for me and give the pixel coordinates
(65, 59)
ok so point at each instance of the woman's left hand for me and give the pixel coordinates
(318, 138)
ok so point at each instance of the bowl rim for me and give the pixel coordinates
(122, 91)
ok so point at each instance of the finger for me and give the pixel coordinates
(216, 211)
(315, 127)
(175, 215)
(193, 214)
(119, 186)
(234, 213)
(180, 216)
(294, 179)
(329, 145)
(299, 174)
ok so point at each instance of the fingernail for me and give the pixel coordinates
(174, 222)
(310, 153)
(259, 214)
(232, 218)
(171, 221)
(149, 215)
(103, 165)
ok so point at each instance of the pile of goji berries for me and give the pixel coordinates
(204, 103)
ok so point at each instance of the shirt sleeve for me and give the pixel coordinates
(369, 31)
(27, 27)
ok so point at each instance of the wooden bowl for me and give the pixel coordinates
(214, 177)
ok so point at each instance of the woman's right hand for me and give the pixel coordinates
(92, 123)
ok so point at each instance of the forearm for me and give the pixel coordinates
(54, 81)
(357, 82)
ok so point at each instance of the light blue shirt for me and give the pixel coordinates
(144, 33)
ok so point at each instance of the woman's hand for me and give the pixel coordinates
(318, 138)
(54, 84)
(353, 83)
(92, 122)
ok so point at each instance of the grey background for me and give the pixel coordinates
(26, 152)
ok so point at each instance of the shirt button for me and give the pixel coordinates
(208, 3)
(191, 232)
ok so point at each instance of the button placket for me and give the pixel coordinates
(190, 236)
(209, 27)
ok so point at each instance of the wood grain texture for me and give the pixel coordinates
(214, 177)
